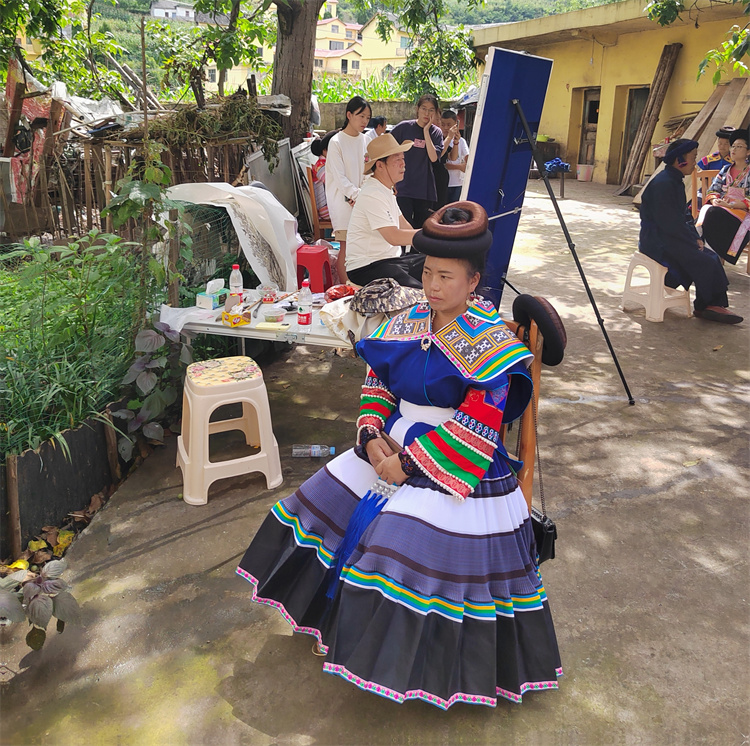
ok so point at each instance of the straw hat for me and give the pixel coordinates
(382, 147)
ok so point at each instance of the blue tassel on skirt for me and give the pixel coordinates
(364, 514)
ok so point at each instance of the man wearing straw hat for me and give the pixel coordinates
(377, 229)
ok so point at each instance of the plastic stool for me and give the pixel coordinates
(209, 385)
(318, 265)
(655, 297)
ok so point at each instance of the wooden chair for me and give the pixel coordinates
(527, 444)
(319, 226)
(701, 180)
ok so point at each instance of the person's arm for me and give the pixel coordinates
(377, 403)
(430, 146)
(457, 454)
(336, 172)
(403, 223)
(398, 236)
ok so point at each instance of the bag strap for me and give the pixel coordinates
(538, 458)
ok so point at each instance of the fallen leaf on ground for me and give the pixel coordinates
(36, 545)
(691, 463)
(65, 538)
(40, 557)
(19, 565)
(718, 347)
(96, 503)
(80, 515)
(50, 535)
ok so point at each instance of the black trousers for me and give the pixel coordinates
(405, 270)
(688, 265)
(719, 228)
(416, 211)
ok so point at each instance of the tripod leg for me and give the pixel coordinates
(571, 245)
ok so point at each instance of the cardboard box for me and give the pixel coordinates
(230, 318)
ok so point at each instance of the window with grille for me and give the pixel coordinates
(318, 63)
(334, 29)
(211, 74)
(333, 45)
(355, 64)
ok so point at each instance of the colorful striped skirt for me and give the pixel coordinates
(440, 601)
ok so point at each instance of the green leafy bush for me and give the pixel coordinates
(69, 316)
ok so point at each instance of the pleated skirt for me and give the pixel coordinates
(441, 600)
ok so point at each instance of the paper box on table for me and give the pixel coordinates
(232, 318)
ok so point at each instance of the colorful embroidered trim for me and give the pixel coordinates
(280, 608)
(458, 453)
(389, 588)
(478, 342)
(301, 537)
(444, 704)
(480, 352)
(376, 404)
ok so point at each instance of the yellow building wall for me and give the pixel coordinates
(377, 54)
(628, 61)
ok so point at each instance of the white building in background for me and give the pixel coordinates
(172, 9)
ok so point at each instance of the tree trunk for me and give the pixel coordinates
(293, 65)
(233, 16)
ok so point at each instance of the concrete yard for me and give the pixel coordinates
(649, 590)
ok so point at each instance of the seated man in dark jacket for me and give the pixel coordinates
(668, 238)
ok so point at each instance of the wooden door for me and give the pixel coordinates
(637, 98)
(589, 124)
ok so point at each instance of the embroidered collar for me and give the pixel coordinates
(478, 343)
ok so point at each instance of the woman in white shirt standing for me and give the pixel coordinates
(345, 172)
(456, 163)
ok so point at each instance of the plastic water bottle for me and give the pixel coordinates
(302, 451)
(235, 281)
(304, 305)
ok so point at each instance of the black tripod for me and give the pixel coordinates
(571, 245)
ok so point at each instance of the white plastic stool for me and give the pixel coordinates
(209, 385)
(655, 296)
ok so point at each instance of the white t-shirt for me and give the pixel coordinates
(375, 208)
(345, 165)
(370, 135)
(456, 177)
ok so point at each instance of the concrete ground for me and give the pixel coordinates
(649, 590)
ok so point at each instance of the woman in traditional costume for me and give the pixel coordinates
(725, 216)
(436, 594)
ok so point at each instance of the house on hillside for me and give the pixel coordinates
(172, 9)
(338, 45)
(379, 57)
(604, 63)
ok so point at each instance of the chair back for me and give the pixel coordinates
(527, 425)
(701, 181)
(319, 226)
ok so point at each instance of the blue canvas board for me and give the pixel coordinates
(500, 153)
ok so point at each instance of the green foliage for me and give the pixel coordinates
(38, 19)
(69, 314)
(335, 88)
(153, 385)
(727, 57)
(38, 598)
(440, 59)
(74, 62)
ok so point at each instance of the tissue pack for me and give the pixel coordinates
(210, 300)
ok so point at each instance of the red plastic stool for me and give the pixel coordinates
(315, 260)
